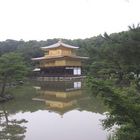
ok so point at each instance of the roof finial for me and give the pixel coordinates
(60, 40)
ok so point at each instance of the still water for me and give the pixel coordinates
(53, 111)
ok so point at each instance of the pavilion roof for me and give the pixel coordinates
(56, 57)
(38, 58)
(58, 44)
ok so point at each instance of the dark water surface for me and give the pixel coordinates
(53, 111)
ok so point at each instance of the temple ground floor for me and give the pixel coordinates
(60, 71)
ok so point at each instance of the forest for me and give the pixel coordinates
(113, 72)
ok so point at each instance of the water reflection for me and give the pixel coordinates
(62, 97)
(54, 110)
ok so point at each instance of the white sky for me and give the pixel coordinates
(71, 19)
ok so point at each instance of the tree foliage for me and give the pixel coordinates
(12, 69)
(115, 76)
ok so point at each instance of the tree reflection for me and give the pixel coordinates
(11, 129)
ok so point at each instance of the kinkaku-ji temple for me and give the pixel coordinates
(60, 60)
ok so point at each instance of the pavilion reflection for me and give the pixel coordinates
(61, 96)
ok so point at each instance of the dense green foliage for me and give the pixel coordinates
(124, 104)
(12, 69)
(115, 76)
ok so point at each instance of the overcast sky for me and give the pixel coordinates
(71, 19)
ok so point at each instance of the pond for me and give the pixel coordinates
(53, 111)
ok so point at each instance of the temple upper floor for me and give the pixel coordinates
(59, 49)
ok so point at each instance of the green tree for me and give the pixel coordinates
(12, 69)
(124, 105)
(116, 78)
(118, 55)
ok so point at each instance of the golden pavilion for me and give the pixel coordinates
(60, 59)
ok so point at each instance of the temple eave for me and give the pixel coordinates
(64, 66)
(48, 58)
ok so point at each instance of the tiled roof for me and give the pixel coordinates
(38, 58)
(55, 57)
(58, 44)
